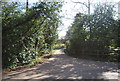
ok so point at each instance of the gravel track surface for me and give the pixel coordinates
(61, 66)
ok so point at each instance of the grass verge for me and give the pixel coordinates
(38, 60)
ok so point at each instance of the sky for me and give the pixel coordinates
(69, 10)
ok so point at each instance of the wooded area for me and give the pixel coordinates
(28, 33)
(31, 32)
(95, 35)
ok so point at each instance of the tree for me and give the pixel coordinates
(26, 37)
(103, 28)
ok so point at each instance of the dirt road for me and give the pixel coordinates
(61, 66)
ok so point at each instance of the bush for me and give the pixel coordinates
(28, 35)
(92, 35)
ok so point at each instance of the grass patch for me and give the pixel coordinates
(59, 46)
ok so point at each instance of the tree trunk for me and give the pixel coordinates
(26, 5)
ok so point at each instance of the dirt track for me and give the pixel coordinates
(61, 66)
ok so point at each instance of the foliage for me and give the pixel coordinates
(94, 42)
(28, 35)
(59, 46)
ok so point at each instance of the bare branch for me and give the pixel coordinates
(82, 3)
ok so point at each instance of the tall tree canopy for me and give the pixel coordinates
(28, 35)
(100, 39)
